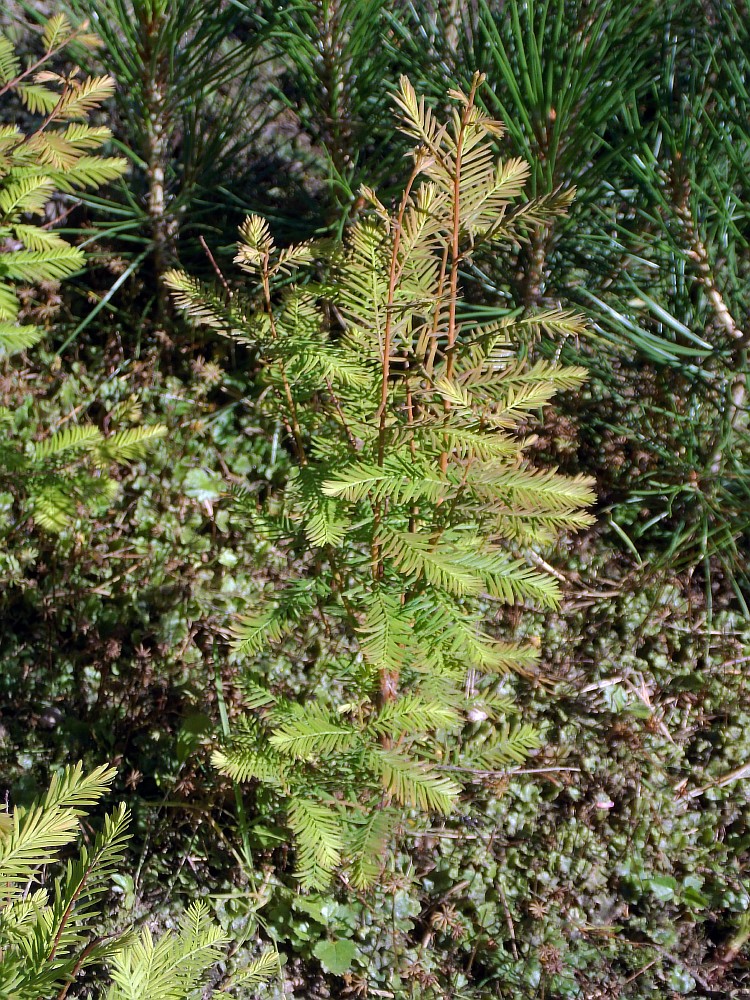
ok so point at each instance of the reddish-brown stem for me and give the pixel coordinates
(41, 61)
(79, 964)
(71, 904)
(62, 216)
(50, 118)
(412, 445)
(215, 266)
(341, 416)
(436, 319)
(387, 338)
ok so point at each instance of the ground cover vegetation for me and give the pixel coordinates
(374, 486)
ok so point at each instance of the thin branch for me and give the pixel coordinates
(45, 58)
(81, 959)
(217, 269)
(341, 416)
(73, 900)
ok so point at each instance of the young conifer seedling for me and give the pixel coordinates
(410, 486)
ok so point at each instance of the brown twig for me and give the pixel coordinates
(45, 58)
(340, 412)
(81, 959)
(726, 779)
(455, 236)
(217, 269)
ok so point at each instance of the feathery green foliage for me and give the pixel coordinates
(411, 490)
(55, 157)
(174, 966)
(51, 925)
(65, 471)
(35, 168)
